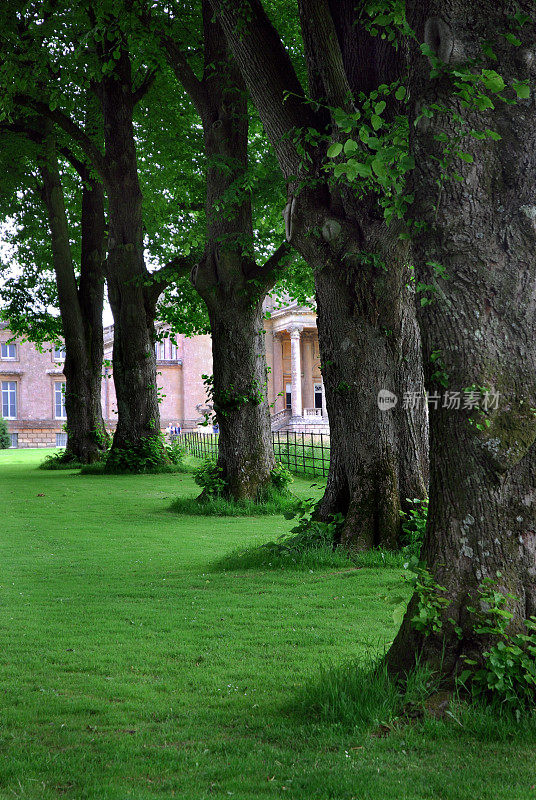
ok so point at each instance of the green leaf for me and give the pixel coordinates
(510, 37)
(334, 150)
(376, 122)
(363, 170)
(379, 168)
(407, 163)
(522, 89)
(380, 107)
(350, 146)
(466, 157)
(400, 93)
(493, 81)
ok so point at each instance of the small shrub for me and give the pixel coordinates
(5, 438)
(209, 475)
(176, 451)
(281, 477)
(59, 460)
(151, 455)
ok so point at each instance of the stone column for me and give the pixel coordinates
(308, 393)
(277, 374)
(295, 366)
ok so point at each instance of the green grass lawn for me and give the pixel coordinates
(130, 667)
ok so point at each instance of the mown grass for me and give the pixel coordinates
(131, 668)
(224, 507)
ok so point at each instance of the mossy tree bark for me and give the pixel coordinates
(366, 318)
(482, 517)
(227, 277)
(80, 304)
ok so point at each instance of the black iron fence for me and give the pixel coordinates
(302, 453)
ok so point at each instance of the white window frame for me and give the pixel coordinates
(61, 399)
(159, 350)
(288, 391)
(5, 348)
(9, 388)
(59, 353)
(318, 389)
(174, 351)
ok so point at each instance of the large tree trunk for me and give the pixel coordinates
(366, 321)
(245, 450)
(80, 308)
(132, 297)
(87, 438)
(227, 277)
(377, 454)
(482, 517)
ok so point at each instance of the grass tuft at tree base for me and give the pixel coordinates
(59, 460)
(360, 693)
(299, 552)
(102, 468)
(226, 507)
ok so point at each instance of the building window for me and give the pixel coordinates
(59, 353)
(173, 351)
(59, 400)
(159, 351)
(288, 395)
(14, 439)
(9, 351)
(61, 440)
(9, 399)
(318, 395)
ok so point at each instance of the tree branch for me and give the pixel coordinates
(144, 86)
(83, 170)
(185, 74)
(269, 75)
(324, 57)
(24, 129)
(177, 267)
(270, 271)
(70, 127)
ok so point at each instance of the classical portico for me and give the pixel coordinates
(296, 390)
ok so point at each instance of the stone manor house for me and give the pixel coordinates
(32, 382)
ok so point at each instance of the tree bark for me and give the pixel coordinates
(366, 317)
(80, 308)
(482, 516)
(132, 295)
(231, 284)
(245, 450)
(377, 454)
